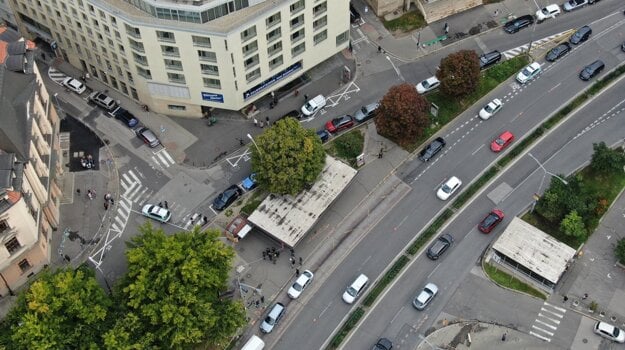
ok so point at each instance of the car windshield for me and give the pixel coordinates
(364, 110)
(500, 141)
(545, 11)
(351, 291)
(269, 320)
(526, 71)
(425, 84)
(297, 287)
(490, 219)
(446, 188)
(616, 332)
(489, 107)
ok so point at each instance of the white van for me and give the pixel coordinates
(255, 343)
(314, 105)
(353, 291)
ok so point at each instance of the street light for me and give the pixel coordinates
(255, 145)
(548, 172)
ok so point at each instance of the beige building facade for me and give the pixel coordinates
(184, 57)
(432, 10)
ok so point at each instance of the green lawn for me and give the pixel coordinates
(511, 282)
(347, 146)
(407, 22)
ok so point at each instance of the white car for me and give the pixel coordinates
(608, 331)
(448, 188)
(425, 296)
(528, 73)
(490, 109)
(155, 212)
(428, 85)
(549, 11)
(74, 85)
(300, 284)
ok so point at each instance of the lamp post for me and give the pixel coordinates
(547, 172)
(255, 145)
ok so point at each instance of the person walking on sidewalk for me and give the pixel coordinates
(255, 122)
(305, 97)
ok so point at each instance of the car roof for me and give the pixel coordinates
(452, 181)
(606, 327)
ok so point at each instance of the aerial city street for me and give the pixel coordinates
(497, 225)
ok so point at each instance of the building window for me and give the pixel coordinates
(297, 6)
(277, 47)
(297, 36)
(276, 62)
(24, 265)
(253, 75)
(250, 48)
(248, 33)
(165, 36)
(274, 34)
(140, 59)
(170, 51)
(176, 78)
(321, 8)
(321, 36)
(341, 38)
(177, 107)
(135, 45)
(209, 69)
(144, 73)
(207, 56)
(133, 32)
(12, 245)
(321, 22)
(4, 226)
(298, 49)
(273, 20)
(251, 62)
(201, 41)
(297, 21)
(173, 64)
(212, 83)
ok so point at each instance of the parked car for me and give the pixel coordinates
(549, 11)
(74, 85)
(490, 109)
(432, 149)
(156, 212)
(227, 197)
(491, 221)
(366, 112)
(424, 297)
(428, 85)
(383, 344)
(558, 52)
(102, 100)
(324, 135)
(148, 137)
(440, 245)
(581, 35)
(501, 142)
(490, 58)
(249, 183)
(354, 15)
(574, 5)
(591, 70)
(292, 114)
(608, 331)
(528, 73)
(125, 116)
(448, 188)
(300, 284)
(518, 23)
(313, 105)
(273, 318)
(339, 123)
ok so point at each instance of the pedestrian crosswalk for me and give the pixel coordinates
(56, 75)
(162, 158)
(549, 318)
(133, 190)
(535, 44)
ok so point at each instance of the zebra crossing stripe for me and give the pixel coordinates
(134, 176)
(546, 324)
(542, 330)
(165, 154)
(561, 309)
(125, 205)
(135, 186)
(541, 337)
(163, 160)
(135, 198)
(551, 312)
(548, 318)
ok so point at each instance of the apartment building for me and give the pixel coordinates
(184, 57)
(30, 164)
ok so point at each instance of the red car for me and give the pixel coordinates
(502, 141)
(491, 220)
(340, 123)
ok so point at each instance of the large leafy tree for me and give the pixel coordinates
(459, 73)
(66, 309)
(170, 295)
(573, 225)
(619, 251)
(605, 159)
(402, 115)
(288, 157)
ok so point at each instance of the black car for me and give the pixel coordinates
(490, 58)
(432, 149)
(354, 16)
(225, 198)
(591, 70)
(439, 246)
(383, 344)
(581, 35)
(517, 24)
(558, 52)
(125, 116)
(324, 135)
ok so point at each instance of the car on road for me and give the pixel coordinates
(249, 183)
(448, 188)
(491, 221)
(549, 11)
(425, 296)
(440, 245)
(574, 5)
(489, 58)
(501, 142)
(273, 318)
(227, 197)
(428, 85)
(148, 137)
(581, 35)
(354, 15)
(102, 100)
(156, 212)
(490, 109)
(608, 331)
(356, 288)
(300, 284)
(340, 123)
(529, 72)
(366, 112)
(383, 344)
(125, 116)
(432, 149)
(518, 23)
(75, 85)
(558, 52)
(591, 70)
(324, 135)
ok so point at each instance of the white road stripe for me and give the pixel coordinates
(551, 312)
(550, 319)
(546, 324)
(135, 187)
(561, 309)
(163, 160)
(541, 337)
(126, 177)
(126, 206)
(543, 330)
(134, 176)
(138, 195)
(166, 154)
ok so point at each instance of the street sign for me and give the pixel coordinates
(434, 109)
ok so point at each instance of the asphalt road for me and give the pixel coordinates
(524, 108)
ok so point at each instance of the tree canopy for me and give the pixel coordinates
(290, 158)
(402, 115)
(605, 159)
(573, 225)
(459, 73)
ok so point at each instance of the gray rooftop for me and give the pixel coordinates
(288, 218)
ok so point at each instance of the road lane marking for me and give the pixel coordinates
(561, 309)
(324, 310)
(365, 262)
(551, 312)
(397, 314)
(550, 319)
(541, 337)
(431, 273)
(546, 324)
(479, 148)
(542, 330)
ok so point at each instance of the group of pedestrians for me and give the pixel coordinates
(260, 123)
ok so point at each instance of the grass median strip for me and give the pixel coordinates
(508, 281)
(351, 322)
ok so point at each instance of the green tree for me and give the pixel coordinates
(459, 73)
(170, 294)
(619, 251)
(605, 159)
(402, 115)
(573, 225)
(65, 309)
(552, 204)
(290, 157)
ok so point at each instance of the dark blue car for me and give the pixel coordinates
(227, 197)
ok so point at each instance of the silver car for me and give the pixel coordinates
(425, 296)
(366, 112)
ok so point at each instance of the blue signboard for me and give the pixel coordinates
(274, 79)
(209, 96)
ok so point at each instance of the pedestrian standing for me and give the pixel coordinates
(277, 253)
(366, 9)
(305, 97)
(260, 124)
(379, 49)
(274, 259)
(255, 122)
(264, 255)
(78, 190)
(565, 298)
(503, 337)
(106, 205)
(270, 257)
(585, 296)
(381, 154)
(297, 272)
(300, 261)
(292, 252)
(267, 119)
(273, 96)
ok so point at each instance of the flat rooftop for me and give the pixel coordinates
(534, 249)
(288, 219)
